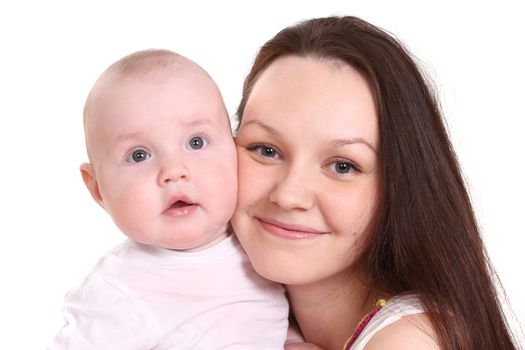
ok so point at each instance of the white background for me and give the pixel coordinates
(52, 232)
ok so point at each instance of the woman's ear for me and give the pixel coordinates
(90, 180)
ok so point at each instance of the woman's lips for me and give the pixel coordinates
(288, 231)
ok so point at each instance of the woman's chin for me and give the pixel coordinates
(277, 269)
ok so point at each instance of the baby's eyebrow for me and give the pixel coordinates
(127, 136)
(198, 122)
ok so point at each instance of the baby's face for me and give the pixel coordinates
(164, 159)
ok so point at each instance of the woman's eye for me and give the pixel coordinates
(343, 167)
(197, 142)
(138, 156)
(264, 150)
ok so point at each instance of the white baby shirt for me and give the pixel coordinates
(141, 297)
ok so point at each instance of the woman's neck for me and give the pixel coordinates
(328, 311)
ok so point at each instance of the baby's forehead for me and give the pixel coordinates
(140, 87)
(181, 70)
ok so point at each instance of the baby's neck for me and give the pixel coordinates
(328, 311)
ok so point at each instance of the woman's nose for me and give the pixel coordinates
(293, 190)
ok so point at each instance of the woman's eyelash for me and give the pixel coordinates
(343, 166)
(264, 150)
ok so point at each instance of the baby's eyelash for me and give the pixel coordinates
(138, 155)
(197, 142)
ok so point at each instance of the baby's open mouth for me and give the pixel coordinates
(180, 204)
(181, 208)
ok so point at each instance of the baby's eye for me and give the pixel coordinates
(266, 151)
(197, 142)
(138, 155)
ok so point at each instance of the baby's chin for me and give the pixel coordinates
(181, 243)
(193, 242)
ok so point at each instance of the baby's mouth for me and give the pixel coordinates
(180, 204)
(181, 207)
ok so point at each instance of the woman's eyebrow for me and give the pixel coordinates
(351, 141)
(336, 143)
(261, 124)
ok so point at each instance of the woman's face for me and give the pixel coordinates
(308, 182)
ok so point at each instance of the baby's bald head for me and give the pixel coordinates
(156, 127)
(147, 65)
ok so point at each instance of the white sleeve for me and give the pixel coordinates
(294, 333)
(101, 314)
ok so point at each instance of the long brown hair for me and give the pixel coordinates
(424, 238)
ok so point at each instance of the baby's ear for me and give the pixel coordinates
(88, 175)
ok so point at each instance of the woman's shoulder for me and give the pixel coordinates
(409, 332)
(402, 323)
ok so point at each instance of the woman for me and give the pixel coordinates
(351, 195)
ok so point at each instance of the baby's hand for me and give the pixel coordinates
(301, 346)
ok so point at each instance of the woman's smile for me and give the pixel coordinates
(289, 231)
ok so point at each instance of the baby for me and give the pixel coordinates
(162, 163)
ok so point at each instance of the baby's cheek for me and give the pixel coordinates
(131, 212)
